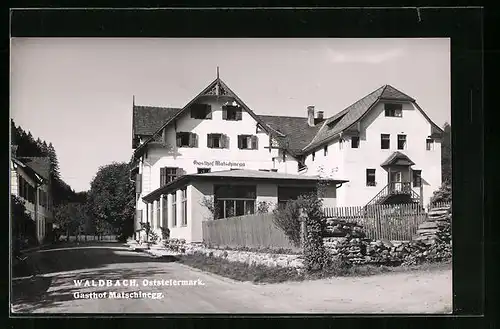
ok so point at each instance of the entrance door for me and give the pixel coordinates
(395, 181)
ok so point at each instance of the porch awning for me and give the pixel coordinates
(397, 159)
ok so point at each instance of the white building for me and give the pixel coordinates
(30, 182)
(383, 149)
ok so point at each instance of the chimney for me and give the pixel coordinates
(319, 117)
(310, 115)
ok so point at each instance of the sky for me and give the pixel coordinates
(77, 93)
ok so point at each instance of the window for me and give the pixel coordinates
(370, 177)
(301, 166)
(313, 156)
(217, 141)
(393, 110)
(325, 150)
(417, 178)
(203, 170)
(201, 111)
(289, 193)
(164, 220)
(429, 144)
(184, 207)
(174, 209)
(385, 141)
(231, 113)
(232, 200)
(158, 215)
(168, 175)
(401, 142)
(247, 142)
(186, 139)
(354, 142)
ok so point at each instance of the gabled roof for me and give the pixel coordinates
(399, 159)
(218, 85)
(353, 113)
(147, 120)
(40, 165)
(296, 130)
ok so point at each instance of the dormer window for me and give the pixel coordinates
(231, 113)
(393, 110)
(201, 111)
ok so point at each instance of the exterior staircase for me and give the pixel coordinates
(396, 192)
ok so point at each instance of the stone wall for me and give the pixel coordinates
(248, 257)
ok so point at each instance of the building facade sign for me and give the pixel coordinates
(218, 163)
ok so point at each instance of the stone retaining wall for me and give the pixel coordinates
(248, 257)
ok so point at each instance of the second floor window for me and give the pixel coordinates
(201, 111)
(401, 142)
(168, 174)
(217, 141)
(385, 141)
(354, 142)
(429, 144)
(231, 113)
(186, 139)
(247, 142)
(417, 178)
(370, 177)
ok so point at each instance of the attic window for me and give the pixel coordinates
(393, 110)
(201, 111)
(429, 144)
(231, 113)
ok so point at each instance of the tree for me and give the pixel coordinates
(111, 198)
(443, 194)
(71, 218)
(446, 154)
(23, 227)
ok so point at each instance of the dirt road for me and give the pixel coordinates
(55, 291)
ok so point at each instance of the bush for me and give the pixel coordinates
(443, 194)
(315, 256)
(165, 233)
(263, 207)
(287, 218)
(153, 237)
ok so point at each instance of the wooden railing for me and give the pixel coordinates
(394, 188)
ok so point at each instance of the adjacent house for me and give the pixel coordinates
(381, 149)
(30, 181)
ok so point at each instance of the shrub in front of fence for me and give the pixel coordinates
(287, 218)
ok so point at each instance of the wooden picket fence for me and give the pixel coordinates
(391, 222)
(254, 231)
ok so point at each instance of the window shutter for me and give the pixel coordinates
(209, 140)
(195, 140)
(240, 137)
(254, 143)
(179, 140)
(224, 113)
(163, 176)
(239, 114)
(191, 140)
(178, 172)
(223, 141)
(209, 112)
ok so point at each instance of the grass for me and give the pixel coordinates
(264, 274)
